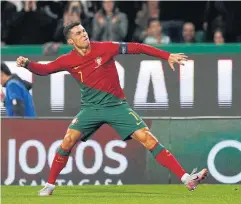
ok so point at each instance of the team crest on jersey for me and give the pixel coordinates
(98, 61)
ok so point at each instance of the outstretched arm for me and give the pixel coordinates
(41, 69)
(138, 48)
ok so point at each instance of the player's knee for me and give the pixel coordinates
(146, 138)
(150, 140)
(69, 140)
(67, 143)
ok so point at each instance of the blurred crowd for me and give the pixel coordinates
(150, 22)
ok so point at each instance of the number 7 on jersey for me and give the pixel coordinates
(81, 76)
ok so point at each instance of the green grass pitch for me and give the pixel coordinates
(131, 194)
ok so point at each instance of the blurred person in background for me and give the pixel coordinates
(155, 35)
(149, 10)
(218, 37)
(73, 12)
(88, 7)
(31, 24)
(18, 101)
(109, 23)
(188, 33)
(171, 19)
(224, 15)
(8, 11)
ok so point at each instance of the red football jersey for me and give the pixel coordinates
(96, 72)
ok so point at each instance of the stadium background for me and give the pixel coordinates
(193, 112)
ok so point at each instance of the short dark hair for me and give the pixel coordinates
(5, 69)
(150, 20)
(68, 28)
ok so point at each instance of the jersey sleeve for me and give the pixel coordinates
(116, 48)
(138, 48)
(112, 47)
(16, 97)
(14, 91)
(46, 69)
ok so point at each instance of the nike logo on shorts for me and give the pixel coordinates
(139, 123)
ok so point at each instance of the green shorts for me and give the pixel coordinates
(121, 117)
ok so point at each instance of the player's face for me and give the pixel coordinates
(79, 37)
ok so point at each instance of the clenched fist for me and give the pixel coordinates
(176, 58)
(22, 61)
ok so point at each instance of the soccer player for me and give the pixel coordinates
(103, 100)
(18, 101)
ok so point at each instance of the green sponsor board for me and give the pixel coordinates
(209, 143)
(183, 48)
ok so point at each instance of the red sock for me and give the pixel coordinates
(58, 164)
(166, 159)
